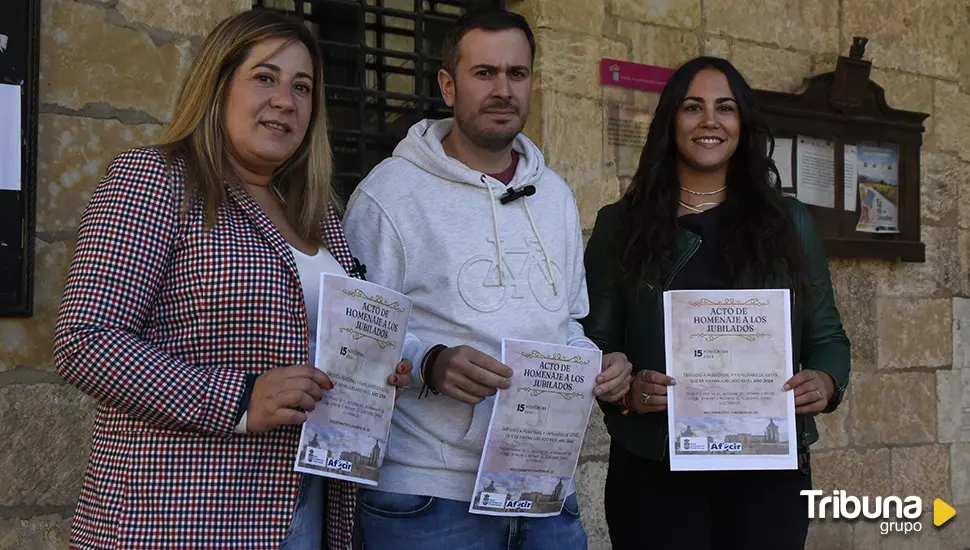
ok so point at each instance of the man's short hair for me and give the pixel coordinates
(487, 20)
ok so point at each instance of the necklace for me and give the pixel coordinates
(702, 193)
(278, 195)
(697, 207)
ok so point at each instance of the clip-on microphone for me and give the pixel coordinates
(513, 194)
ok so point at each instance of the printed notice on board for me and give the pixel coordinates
(878, 188)
(10, 152)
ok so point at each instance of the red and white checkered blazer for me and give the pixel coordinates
(161, 321)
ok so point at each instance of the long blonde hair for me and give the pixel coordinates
(197, 133)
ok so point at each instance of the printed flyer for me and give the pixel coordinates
(360, 334)
(537, 428)
(730, 352)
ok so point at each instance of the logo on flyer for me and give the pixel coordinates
(693, 444)
(316, 457)
(492, 500)
(341, 465)
(726, 446)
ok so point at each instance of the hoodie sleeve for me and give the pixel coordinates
(576, 280)
(374, 239)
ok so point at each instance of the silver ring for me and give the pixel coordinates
(819, 394)
(644, 398)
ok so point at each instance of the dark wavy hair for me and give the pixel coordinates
(760, 237)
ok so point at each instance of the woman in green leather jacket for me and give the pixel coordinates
(702, 212)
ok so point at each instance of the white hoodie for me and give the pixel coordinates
(431, 228)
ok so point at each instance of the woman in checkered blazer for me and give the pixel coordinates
(185, 312)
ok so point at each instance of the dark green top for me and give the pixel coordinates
(629, 318)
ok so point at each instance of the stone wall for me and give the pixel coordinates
(905, 426)
(109, 70)
(109, 74)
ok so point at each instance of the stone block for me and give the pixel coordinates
(195, 17)
(961, 333)
(590, 488)
(28, 341)
(855, 296)
(922, 471)
(953, 405)
(963, 251)
(824, 62)
(953, 116)
(586, 17)
(913, 333)
(569, 62)
(938, 276)
(941, 188)
(660, 46)
(863, 472)
(907, 92)
(893, 409)
(596, 443)
(829, 534)
(769, 68)
(87, 61)
(36, 533)
(951, 168)
(74, 154)
(808, 26)
(685, 14)
(925, 41)
(955, 535)
(833, 428)
(47, 431)
(960, 474)
(717, 47)
(571, 125)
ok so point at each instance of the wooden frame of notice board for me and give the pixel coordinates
(19, 71)
(852, 159)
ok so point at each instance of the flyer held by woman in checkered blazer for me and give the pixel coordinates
(185, 312)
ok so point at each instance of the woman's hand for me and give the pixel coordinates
(401, 377)
(648, 393)
(614, 381)
(813, 391)
(282, 396)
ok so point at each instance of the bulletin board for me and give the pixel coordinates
(19, 69)
(852, 159)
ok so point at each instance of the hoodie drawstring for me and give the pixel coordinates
(498, 242)
(535, 231)
(552, 275)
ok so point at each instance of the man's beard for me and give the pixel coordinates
(492, 140)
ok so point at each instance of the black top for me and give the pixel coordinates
(705, 269)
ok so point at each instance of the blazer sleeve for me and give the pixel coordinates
(825, 345)
(125, 240)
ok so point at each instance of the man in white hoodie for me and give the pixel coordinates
(434, 222)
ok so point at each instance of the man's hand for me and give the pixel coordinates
(468, 375)
(282, 396)
(615, 379)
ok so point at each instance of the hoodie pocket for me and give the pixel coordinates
(478, 427)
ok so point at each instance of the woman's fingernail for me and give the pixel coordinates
(786, 387)
(673, 382)
(401, 368)
(394, 379)
(331, 385)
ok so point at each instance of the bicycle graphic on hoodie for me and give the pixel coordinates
(524, 273)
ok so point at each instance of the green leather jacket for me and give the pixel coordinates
(630, 320)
